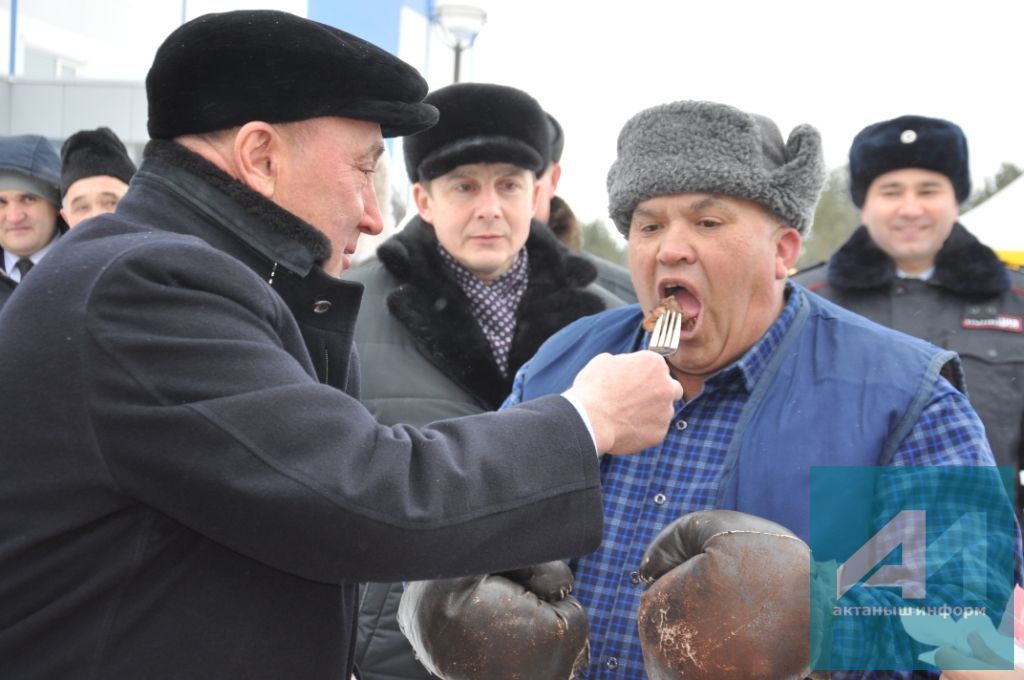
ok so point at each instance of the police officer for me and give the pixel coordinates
(912, 266)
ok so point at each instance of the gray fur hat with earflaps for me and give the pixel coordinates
(705, 147)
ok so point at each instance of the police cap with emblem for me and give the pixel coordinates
(909, 142)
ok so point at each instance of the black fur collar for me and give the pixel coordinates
(432, 306)
(280, 221)
(964, 265)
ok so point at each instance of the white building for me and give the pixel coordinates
(68, 66)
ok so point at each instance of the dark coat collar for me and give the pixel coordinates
(271, 230)
(432, 306)
(964, 265)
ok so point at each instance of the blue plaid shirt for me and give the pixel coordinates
(646, 491)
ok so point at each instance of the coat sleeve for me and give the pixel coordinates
(204, 407)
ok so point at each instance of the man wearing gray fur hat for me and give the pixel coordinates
(190, 486)
(714, 205)
(913, 266)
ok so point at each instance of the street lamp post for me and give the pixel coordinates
(460, 25)
(14, 37)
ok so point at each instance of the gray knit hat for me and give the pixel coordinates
(704, 147)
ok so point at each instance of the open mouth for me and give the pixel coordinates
(686, 301)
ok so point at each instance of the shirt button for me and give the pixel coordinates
(900, 290)
(659, 499)
(993, 353)
(321, 306)
(634, 577)
(612, 663)
(681, 425)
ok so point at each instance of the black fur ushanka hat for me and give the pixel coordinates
(91, 153)
(479, 123)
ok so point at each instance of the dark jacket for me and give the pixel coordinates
(424, 357)
(184, 497)
(972, 305)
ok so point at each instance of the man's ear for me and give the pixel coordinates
(424, 202)
(257, 152)
(64, 216)
(787, 250)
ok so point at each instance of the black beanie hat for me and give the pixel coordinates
(220, 71)
(91, 153)
(479, 123)
(909, 142)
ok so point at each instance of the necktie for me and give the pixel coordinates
(23, 265)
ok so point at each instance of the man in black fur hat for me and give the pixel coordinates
(189, 486)
(94, 174)
(465, 293)
(912, 266)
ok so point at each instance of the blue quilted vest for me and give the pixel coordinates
(838, 391)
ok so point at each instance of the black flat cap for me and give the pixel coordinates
(909, 142)
(219, 71)
(480, 123)
(91, 153)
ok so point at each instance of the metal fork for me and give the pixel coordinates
(665, 336)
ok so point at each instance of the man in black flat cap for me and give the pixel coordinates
(913, 266)
(467, 291)
(94, 173)
(189, 487)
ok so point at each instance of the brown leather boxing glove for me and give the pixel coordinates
(520, 625)
(729, 600)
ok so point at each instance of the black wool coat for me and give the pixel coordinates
(188, 488)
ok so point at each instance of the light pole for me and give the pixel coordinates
(14, 37)
(460, 25)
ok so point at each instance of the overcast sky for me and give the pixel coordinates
(836, 65)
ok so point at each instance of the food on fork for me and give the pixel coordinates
(666, 304)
